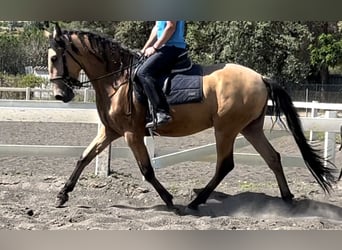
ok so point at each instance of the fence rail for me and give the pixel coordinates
(85, 94)
(43, 111)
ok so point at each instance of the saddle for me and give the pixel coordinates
(183, 63)
(183, 84)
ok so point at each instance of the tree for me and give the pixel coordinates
(324, 33)
(207, 41)
(26, 48)
(133, 34)
(34, 46)
(277, 49)
(100, 27)
(327, 52)
(10, 56)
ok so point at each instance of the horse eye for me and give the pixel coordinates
(53, 58)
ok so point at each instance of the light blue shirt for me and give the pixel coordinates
(177, 39)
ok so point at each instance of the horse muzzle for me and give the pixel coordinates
(64, 96)
(62, 92)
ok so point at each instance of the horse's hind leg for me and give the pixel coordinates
(255, 135)
(100, 142)
(224, 164)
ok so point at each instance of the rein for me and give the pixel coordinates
(110, 74)
(79, 84)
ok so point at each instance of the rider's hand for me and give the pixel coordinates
(149, 51)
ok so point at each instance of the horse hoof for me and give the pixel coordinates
(288, 198)
(61, 199)
(170, 205)
(177, 211)
(191, 211)
(168, 201)
(193, 206)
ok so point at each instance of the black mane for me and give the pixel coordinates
(105, 49)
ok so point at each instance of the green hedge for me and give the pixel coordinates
(20, 81)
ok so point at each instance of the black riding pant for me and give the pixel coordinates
(157, 65)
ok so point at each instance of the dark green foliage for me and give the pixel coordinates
(328, 51)
(286, 51)
(10, 56)
(30, 81)
(25, 48)
(277, 49)
(20, 81)
(133, 34)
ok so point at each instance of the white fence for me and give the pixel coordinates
(39, 111)
(41, 93)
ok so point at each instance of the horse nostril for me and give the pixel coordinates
(59, 97)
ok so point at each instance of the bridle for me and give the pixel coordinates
(71, 82)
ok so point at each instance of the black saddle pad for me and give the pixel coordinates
(185, 87)
(180, 88)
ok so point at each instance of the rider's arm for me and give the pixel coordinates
(151, 39)
(168, 32)
(153, 44)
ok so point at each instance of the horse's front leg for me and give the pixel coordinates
(136, 143)
(100, 142)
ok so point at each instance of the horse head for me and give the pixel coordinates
(103, 60)
(63, 65)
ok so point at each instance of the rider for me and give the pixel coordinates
(166, 42)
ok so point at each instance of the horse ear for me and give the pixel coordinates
(57, 31)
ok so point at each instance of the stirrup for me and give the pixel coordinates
(159, 119)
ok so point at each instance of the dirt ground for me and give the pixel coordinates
(248, 198)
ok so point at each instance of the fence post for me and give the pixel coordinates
(86, 95)
(330, 140)
(28, 93)
(149, 143)
(306, 100)
(102, 167)
(313, 135)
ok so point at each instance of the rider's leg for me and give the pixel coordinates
(149, 73)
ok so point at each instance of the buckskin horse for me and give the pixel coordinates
(234, 101)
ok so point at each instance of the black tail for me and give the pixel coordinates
(282, 103)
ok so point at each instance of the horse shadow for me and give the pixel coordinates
(261, 205)
(251, 204)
